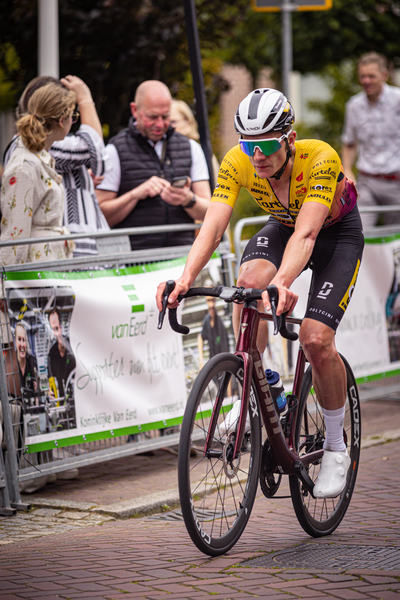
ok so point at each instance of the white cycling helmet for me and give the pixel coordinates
(262, 111)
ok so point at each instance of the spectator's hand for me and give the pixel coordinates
(97, 179)
(82, 92)
(152, 187)
(178, 196)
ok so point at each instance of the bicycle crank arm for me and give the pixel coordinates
(303, 475)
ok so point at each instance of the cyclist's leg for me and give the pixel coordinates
(336, 260)
(329, 374)
(254, 274)
(329, 382)
(260, 261)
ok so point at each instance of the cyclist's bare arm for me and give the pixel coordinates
(297, 253)
(215, 223)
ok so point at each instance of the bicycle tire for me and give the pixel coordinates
(321, 516)
(216, 495)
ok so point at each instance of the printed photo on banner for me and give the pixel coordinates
(93, 364)
(39, 320)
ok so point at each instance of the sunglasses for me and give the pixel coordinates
(267, 147)
(74, 116)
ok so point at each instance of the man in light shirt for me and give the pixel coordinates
(371, 135)
(159, 176)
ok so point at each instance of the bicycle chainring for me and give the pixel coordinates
(269, 480)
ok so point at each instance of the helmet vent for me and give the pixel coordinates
(253, 106)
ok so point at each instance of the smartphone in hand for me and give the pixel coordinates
(179, 182)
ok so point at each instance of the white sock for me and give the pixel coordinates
(334, 420)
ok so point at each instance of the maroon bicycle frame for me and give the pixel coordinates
(287, 460)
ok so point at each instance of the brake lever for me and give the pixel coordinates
(169, 286)
(279, 321)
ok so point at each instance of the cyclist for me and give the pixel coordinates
(314, 222)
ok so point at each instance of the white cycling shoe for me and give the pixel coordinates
(229, 424)
(331, 479)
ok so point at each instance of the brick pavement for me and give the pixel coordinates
(151, 558)
(148, 558)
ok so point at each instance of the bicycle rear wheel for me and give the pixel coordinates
(216, 492)
(321, 516)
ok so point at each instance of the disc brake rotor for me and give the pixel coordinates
(231, 466)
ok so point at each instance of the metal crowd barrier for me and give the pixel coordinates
(22, 468)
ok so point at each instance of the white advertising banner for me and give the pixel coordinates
(92, 362)
(369, 333)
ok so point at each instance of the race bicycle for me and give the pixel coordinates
(221, 460)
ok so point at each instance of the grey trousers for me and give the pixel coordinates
(374, 191)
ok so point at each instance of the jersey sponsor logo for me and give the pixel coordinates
(327, 171)
(304, 155)
(325, 290)
(296, 205)
(262, 241)
(224, 187)
(325, 162)
(266, 205)
(317, 196)
(223, 196)
(347, 297)
(319, 177)
(302, 190)
(300, 177)
(322, 188)
(231, 166)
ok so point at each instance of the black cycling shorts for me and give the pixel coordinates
(335, 263)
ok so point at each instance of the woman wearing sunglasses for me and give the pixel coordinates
(314, 222)
(32, 195)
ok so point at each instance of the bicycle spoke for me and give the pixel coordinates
(322, 516)
(217, 491)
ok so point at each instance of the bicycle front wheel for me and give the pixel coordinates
(216, 490)
(321, 516)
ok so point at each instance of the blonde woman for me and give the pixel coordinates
(184, 122)
(32, 194)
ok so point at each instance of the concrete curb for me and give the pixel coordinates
(161, 501)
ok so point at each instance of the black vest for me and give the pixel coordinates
(139, 162)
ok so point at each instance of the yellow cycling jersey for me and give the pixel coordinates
(317, 176)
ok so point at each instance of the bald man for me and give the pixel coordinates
(159, 176)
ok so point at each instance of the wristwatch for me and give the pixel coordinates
(191, 202)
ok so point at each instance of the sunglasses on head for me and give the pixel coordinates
(267, 147)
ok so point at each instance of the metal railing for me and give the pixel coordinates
(20, 466)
